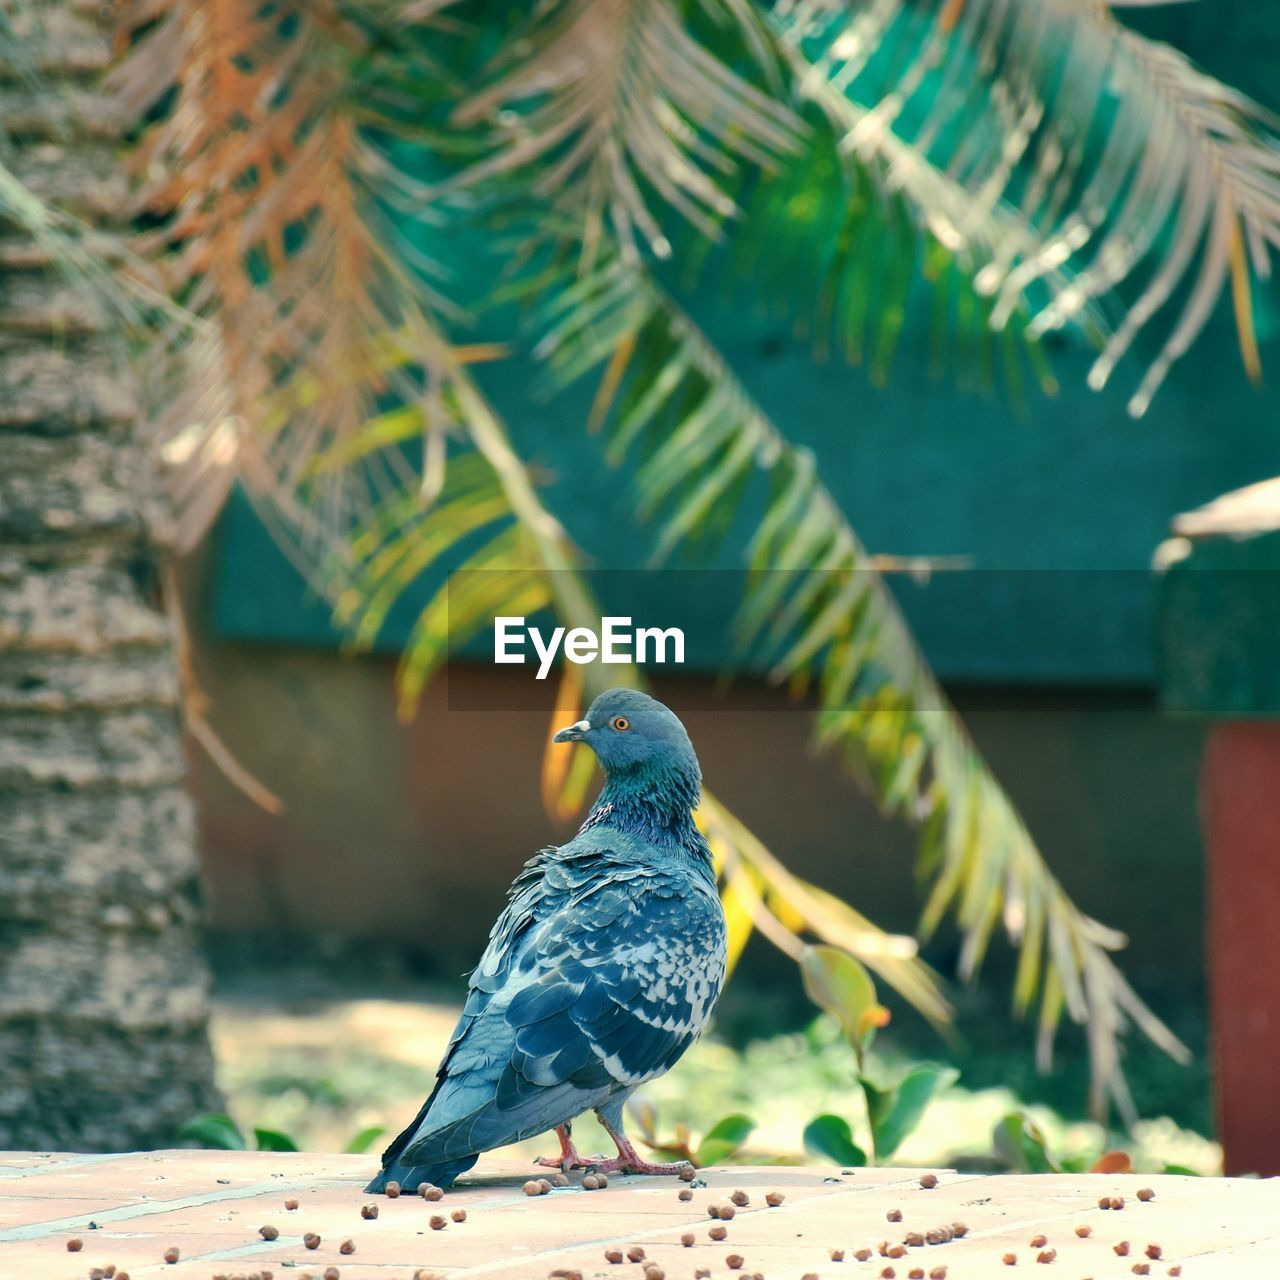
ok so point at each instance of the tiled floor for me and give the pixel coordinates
(129, 1209)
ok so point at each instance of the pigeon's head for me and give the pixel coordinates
(632, 733)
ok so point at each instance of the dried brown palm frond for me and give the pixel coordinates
(256, 182)
(608, 109)
(1133, 175)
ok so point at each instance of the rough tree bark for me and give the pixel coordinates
(103, 995)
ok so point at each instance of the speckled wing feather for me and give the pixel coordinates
(600, 973)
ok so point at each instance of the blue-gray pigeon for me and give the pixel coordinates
(600, 973)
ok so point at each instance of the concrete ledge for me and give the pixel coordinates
(210, 1204)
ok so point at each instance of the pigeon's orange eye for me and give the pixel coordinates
(621, 723)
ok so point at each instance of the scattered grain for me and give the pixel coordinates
(368, 1211)
(863, 1255)
(1175, 1270)
(459, 1215)
(1084, 1231)
(1141, 1268)
(916, 1273)
(1145, 1194)
(717, 1232)
(687, 1239)
(591, 1183)
(613, 1255)
(393, 1190)
(940, 1235)
(895, 1251)
(347, 1246)
(532, 1188)
(75, 1244)
(293, 1204)
(1121, 1250)
(774, 1198)
(438, 1222)
(1010, 1259)
(635, 1253)
(332, 1273)
(959, 1230)
(1117, 1202)
(171, 1255)
(734, 1262)
(913, 1240)
(311, 1240)
(888, 1273)
(938, 1273)
(1039, 1242)
(685, 1194)
(1046, 1255)
(1153, 1252)
(687, 1174)
(269, 1232)
(928, 1181)
(894, 1215)
(837, 1255)
(741, 1199)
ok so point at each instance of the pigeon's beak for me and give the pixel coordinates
(574, 733)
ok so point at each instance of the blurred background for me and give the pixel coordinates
(632, 307)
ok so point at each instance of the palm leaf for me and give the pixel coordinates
(817, 606)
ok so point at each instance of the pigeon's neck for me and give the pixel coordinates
(654, 802)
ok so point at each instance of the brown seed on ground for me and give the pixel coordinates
(810, 1275)
(1084, 1231)
(959, 1230)
(1121, 1250)
(654, 1272)
(1153, 1252)
(894, 1215)
(837, 1255)
(459, 1215)
(687, 1239)
(717, 1233)
(544, 1186)
(1105, 1202)
(741, 1199)
(423, 1274)
(1141, 1268)
(701, 1273)
(939, 1235)
(293, 1204)
(888, 1273)
(938, 1273)
(124, 1275)
(347, 1246)
(332, 1273)
(713, 1210)
(1117, 1202)
(438, 1222)
(686, 1175)
(559, 1180)
(1046, 1255)
(685, 1194)
(916, 1273)
(1010, 1259)
(1039, 1242)
(613, 1255)
(1175, 1271)
(914, 1240)
(592, 1183)
(635, 1253)
(727, 1213)
(269, 1232)
(564, 1273)
(895, 1251)
(369, 1211)
(311, 1240)
(928, 1181)
(97, 1273)
(393, 1189)
(863, 1255)
(75, 1244)
(433, 1193)
(774, 1198)
(603, 1180)
(532, 1188)
(1146, 1194)
(734, 1262)
(171, 1255)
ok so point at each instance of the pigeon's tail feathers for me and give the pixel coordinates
(412, 1176)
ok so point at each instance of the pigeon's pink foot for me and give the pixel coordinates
(628, 1159)
(568, 1157)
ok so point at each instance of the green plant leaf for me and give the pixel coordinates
(830, 1138)
(214, 1130)
(273, 1140)
(895, 1112)
(364, 1140)
(1021, 1144)
(723, 1139)
(841, 985)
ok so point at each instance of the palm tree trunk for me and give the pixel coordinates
(103, 995)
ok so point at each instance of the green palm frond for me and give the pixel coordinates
(1118, 169)
(818, 610)
(607, 109)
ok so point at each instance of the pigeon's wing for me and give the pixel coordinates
(602, 992)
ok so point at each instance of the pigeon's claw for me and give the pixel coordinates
(568, 1157)
(633, 1164)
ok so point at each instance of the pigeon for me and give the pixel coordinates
(599, 974)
